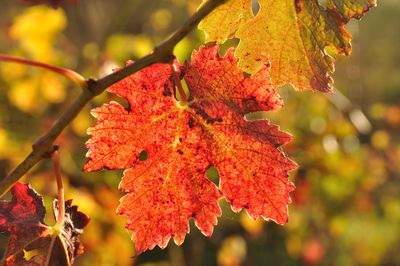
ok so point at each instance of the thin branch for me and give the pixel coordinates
(72, 75)
(161, 53)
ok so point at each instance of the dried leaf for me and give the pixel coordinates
(23, 217)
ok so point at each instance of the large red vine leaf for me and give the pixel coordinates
(183, 140)
(23, 217)
(291, 34)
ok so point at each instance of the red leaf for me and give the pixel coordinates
(183, 140)
(23, 217)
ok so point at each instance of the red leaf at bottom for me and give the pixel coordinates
(23, 217)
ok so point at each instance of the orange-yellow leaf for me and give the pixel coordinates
(292, 35)
(227, 18)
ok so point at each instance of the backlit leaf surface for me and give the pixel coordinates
(229, 17)
(183, 139)
(291, 34)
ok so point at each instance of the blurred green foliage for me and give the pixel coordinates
(346, 208)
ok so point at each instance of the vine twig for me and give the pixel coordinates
(72, 75)
(58, 227)
(161, 53)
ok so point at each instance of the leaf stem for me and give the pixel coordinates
(178, 84)
(60, 190)
(72, 75)
(92, 88)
